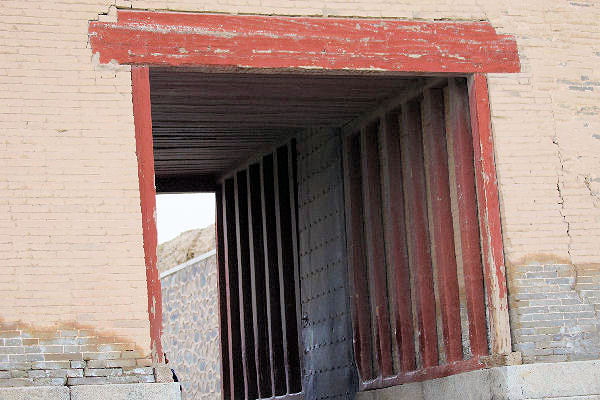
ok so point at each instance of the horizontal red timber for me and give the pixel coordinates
(253, 41)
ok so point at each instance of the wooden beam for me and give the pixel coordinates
(374, 243)
(489, 215)
(236, 371)
(258, 282)
(356, 257)
(278, 373)
(289, 267)
(142, 118)
(185, 184)
(222, 290)
(459, 129)
(279, 240)
(442, 235)
(417, 225)
(293, 189)
(302, 43)
(245, 289)
(394, 222)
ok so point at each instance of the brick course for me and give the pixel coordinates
(70, 226)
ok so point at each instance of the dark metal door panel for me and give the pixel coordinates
(328, 369)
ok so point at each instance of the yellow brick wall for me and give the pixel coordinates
(70, 224)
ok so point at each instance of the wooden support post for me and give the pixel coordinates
(459, 128)
(489, 215)
(245, 290)
(258, 282)
(295, 274)
(371, 192)
(222, 290)
(236, 373)
(394, 222)
(442, 236)
(278, 373)
(142, 118)
(356, 257)
(418, 239)
(280, 272)
(288, 268)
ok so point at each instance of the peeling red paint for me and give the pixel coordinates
(303, 43)
(489, 214)
(143, 138)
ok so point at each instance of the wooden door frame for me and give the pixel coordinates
(309, 45)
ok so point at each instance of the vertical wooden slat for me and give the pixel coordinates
(459, 127)
(356, 257)
(236, 373)
(278, 372)
(489, 215)
(371, 192)
(442, 236)
(222, 290)
(258, 283)
(395, 239)
(245, 289)
(288, 267)
(417, 226)
(293, 183)
(279, 241)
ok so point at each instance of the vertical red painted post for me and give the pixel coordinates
(459, 129)
(142, 117)
(371, 192)
(394, 221)
(356, 258)
(442, 235)
(418, 242)
(489, 215)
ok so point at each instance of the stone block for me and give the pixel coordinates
(16, 382)
(560, 380)
(50, 365)
(139, 371)
(103, 372)
(77, 364)
(92, 380)
(139, 391)
(50, 381)
(162, 373)
(35, 393)
(7, 366)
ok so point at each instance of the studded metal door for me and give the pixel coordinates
(328, 367)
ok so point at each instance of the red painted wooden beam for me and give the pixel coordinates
(459, 129)
(489, 215)
(413, 175)
(394, 221)
(176, 39)
(142, 117)
(373, 231)
(434, 138)
(361, 314)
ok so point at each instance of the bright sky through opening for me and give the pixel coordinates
(177, 213)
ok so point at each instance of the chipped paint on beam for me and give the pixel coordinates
(175, 39)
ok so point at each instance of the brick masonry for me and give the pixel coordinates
(191, 328)
(70, 226)
(68, 355)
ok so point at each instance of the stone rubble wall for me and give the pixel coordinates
(191, 328)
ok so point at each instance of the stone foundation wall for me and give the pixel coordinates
(191, 326)
(555, 311)
(68, 355)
